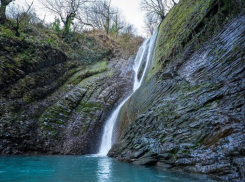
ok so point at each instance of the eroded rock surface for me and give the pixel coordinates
(51, 104)
(189, 114)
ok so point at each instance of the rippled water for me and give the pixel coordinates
(83, 169)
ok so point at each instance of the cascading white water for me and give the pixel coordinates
(148, 46)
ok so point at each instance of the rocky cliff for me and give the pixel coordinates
(51, 103)
(189, 112)
(187, 115)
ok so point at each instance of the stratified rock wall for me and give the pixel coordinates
(51, 104)
(189, 112)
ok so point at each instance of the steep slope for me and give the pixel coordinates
(189, 112)
(51, 103)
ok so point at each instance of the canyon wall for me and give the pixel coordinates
(189, 113)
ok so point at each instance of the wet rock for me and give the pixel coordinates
(191, 118)
(145, 161)
(51, 104)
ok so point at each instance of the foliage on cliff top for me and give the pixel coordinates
(87, 47)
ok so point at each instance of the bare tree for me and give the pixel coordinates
(3, 5)
(154, 7)
(21, 16)
(92, 15)
(156, 11)
(118, 22)
(129, 30)
(66, 9)
(158, 7)
(107, 13)
(151, 23)
(99, 15)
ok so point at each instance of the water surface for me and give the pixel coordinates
(83, 169)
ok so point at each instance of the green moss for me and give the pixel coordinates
(239, 95)
(88, 71)
(178, 25)
(190, 21)
(99, 67)
(198, 87)
(218, 101)
(200, 141)
(93, 104)
(5, 32)
(85, 128)
(74, 102)
(186, 152)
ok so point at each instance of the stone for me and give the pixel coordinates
(200, 106)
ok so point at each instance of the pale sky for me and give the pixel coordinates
(131, 11)
(129, 8)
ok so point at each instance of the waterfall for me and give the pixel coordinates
(146, 47)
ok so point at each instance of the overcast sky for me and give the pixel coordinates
(130, 10)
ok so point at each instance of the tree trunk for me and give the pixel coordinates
(108, 21)
(2, 14)
(66, 28)
(107, 25)
(17, 33)
(16, 28)
(116, 23)
(4, 4)
(68, 22)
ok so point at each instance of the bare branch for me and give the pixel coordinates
(156, 11)
(67, 10)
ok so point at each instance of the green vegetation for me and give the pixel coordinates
(191, 22)
(86, 45)
(59, 112)
(42, 62)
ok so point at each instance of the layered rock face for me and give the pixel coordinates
(51, 104)
(189, 112)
